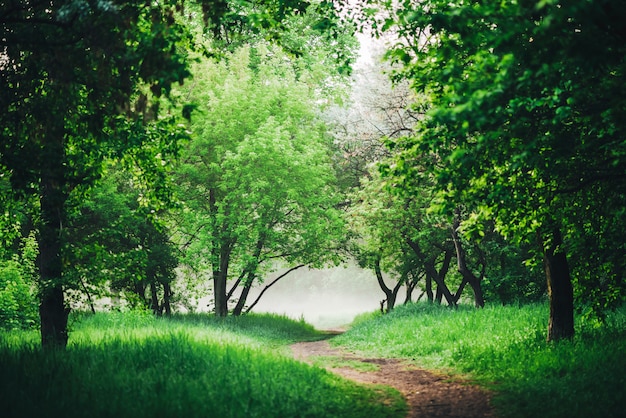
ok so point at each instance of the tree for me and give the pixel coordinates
(377, 113)
(118, 243)
(80, 82)
(71, 77)
(375, 110)
(526, 123)
(255, 179)
(393, 233)
(510, 275)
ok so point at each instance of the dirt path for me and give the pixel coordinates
(427, 394)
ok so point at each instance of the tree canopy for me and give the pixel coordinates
(126, 125)
(255, 178)
(82, 83)
(526, 124)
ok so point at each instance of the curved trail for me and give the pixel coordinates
(427, 394)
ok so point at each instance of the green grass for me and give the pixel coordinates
(133, 365)
(336, 362)
(504, 349)
(264, 332)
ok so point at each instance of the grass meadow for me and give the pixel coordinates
(504, 349)
(134, 365)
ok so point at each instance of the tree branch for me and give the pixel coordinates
(272, 284)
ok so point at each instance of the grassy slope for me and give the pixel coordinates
(505, 349)
(130, 365)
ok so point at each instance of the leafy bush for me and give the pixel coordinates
(17, 297)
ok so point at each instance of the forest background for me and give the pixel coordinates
(155, 153)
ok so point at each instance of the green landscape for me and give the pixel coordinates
(442, 181)
(135, 365)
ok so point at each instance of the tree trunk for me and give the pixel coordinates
(468, 276)
(54, 315)
(220, 277)
(167, 296)
(429, 288)
(409, 293)
(241, 303)
(52, 309)
(391, 294)
(560, 290)
(89, 298)
(220, 259)
(250, 272)
(432, 273)
(410, 287)
(154, 298)
(459, 291)
(439, 295)
(441, 276)
(139, 287)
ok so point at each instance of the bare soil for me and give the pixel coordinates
(427, 394)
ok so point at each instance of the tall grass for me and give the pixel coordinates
(265, 331)
(504, 348)
(132, 365)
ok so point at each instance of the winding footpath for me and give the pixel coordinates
(427, 394)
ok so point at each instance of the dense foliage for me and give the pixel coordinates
(72, 97)
(84, 83)
(524, 127)
(18, 291)
(143, 140)
(136, 136)
(255, 179)
(119, 246)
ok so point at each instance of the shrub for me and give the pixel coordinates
(17, 298)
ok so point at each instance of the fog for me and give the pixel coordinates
(326, 298)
